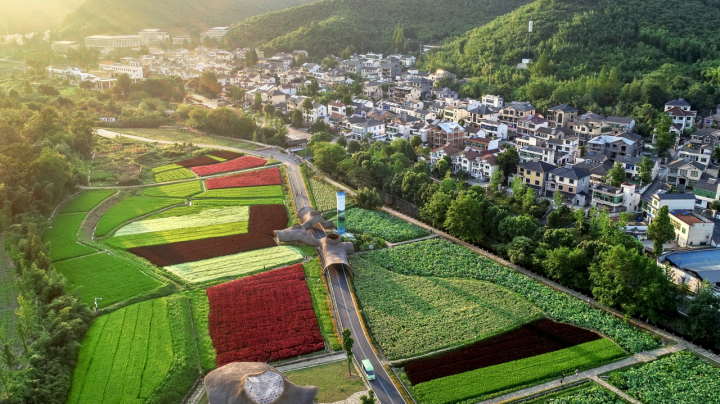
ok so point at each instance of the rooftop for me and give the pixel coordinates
(705, 263)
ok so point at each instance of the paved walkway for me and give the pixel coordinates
(316, 361)
(354, 399)
(592, 374)
(391, 245)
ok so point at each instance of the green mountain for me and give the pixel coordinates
(33, 15)
(329, 26)
(585, 51)
(97, 17)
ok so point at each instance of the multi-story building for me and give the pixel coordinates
(215, 33)
(706, 136)
(561, 115)
(64, 46)
(135, 71)
(620, 124)
(479, 164)
(652, 204)
(155, 36)
(590, 125)
(691, 229)
(403, 126)
(616, 200)
(702, 153)
(455, 114)
(120, 41)
(535, 174)
(422, 84)
(446, 133)
(480, 114)
(511, 113)
(632, 166)
(572, 182)
(706, 190)
(684, 172)
(493, 129)
(364, 128)
(439, 153)
(373, 90)
(494, 101)
(482, 143)
(681, 114)
(182, 40)
(613, 146)
(530, 124)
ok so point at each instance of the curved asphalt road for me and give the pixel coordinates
(385, 390)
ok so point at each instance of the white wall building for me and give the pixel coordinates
(120, 41)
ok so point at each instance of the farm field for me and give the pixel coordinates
(104, 275)
(130, 209)
(140, 353)
(321, 303)
(269, 191)
(442, 259)
(433, 313)
(200, 306)
(324, 195)
(240, 264)
(172, 175)
(266, 317)
(240, 163)
(271, 176)
(208, 217)
(482, 382)
(333, 380)
(681, 378)
(181, 190)
(185, 137)
(166, 167)
(87, 201)
(380, 224)
(176, 236)
(587, 393)
(202, 204)
(61, 237)
(201, 160)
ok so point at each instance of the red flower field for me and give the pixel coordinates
(232, 165)
(264, 220)
(263, 318)
(197, 161)
(540, 337)
(225, 154)
(252, 179)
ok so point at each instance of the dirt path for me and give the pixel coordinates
(87, 228)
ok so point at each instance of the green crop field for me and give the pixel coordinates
(321, 303)
(201, 310)
(87, 201)
(433, 313)
(324, 195)
(380, 224)
(166, 167)
(441, 258)
(208, 217)
(203, 204)
(332, 379)
(181, 190)
(104, 275)
(588, 393)
(173, 175)
(236, 265)
(174, 236)
(185, 137)
(481, 382)
(130, 209)
(267, 191)
(141, 353)
(61, 237)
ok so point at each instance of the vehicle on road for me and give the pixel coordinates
(368, 369)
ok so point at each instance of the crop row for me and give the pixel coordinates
(129, 209)
(167, 167)
(433, 313)
(443, 259)
(180, 190)
(198, 161)
(106, 276)
(225, 154)
(176, 236)
(381, 224)
(173, 175)
(202, 204)
(61, 237)
(244, 263)
(263, 318)
(325, 195)
(537, 338)
(481, 382)
(270, 176)
(593, 395)
(264, 219)
(207, 217)
(241, 163)
(268, 191)
(87, 201)
(682, 378)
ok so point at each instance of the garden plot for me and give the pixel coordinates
(263, 318)
(167, 167)
(235, 265)
(380, 224)
(87, 201)
(257, 178)
(141, 353)
(241, 163)
(61, 237)
(440, 258)
(104, 275)
(176, 236)
(174, 175)
(199, 161)
(129, 209)
(269, 191)
(208, 217)
(181, 190)
(433, 313)
(325, 195)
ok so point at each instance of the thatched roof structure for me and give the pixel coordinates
(335, 251)
(254, 383)
(297, 234)
(310, 217)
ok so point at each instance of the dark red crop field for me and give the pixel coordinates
(225, 154)
(540, 337)
(258, 178)
(197, 161)
(264, 219)
(263, 318)
(232, 165)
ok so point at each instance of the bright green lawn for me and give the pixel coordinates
(181, 190)
(333, 380)
(200, 310)
(129, 209)
(61, 237)
(86, 201)
(106, 276)
(173, 175)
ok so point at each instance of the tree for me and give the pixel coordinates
(258, 102)
(307, 106)
(496, 180)
(319, 137)
(416, 141)
(616, 175)
(520, 250)
(369, 399)
(296, 118)
(442, 167)
(558, 199)
(516, 226)
(209, 85)
(367, 198)
(329, 62)
(715, 205)
(353, 146)
(251, 58)
(632, 282)
(435, 210)
(703, 312)
(268, 109)
(464, 217)
(646, 170)
(507, 161)
(518, 187)
(716, 153)
(123, 84)
(567, 266)
(328, 156)
(237, 94)
(661, 230)
(342, 141)
(347, 344)
(664, 140)
(81, 128)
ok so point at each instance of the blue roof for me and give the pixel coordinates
(706, 263)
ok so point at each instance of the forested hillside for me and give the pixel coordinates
(329, 26)
(584, 51)
(33, 15)
(96, 17)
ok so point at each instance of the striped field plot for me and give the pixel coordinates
(208, 217)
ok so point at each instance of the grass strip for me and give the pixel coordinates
(267, 191)
(87, 201)
(321, 303)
